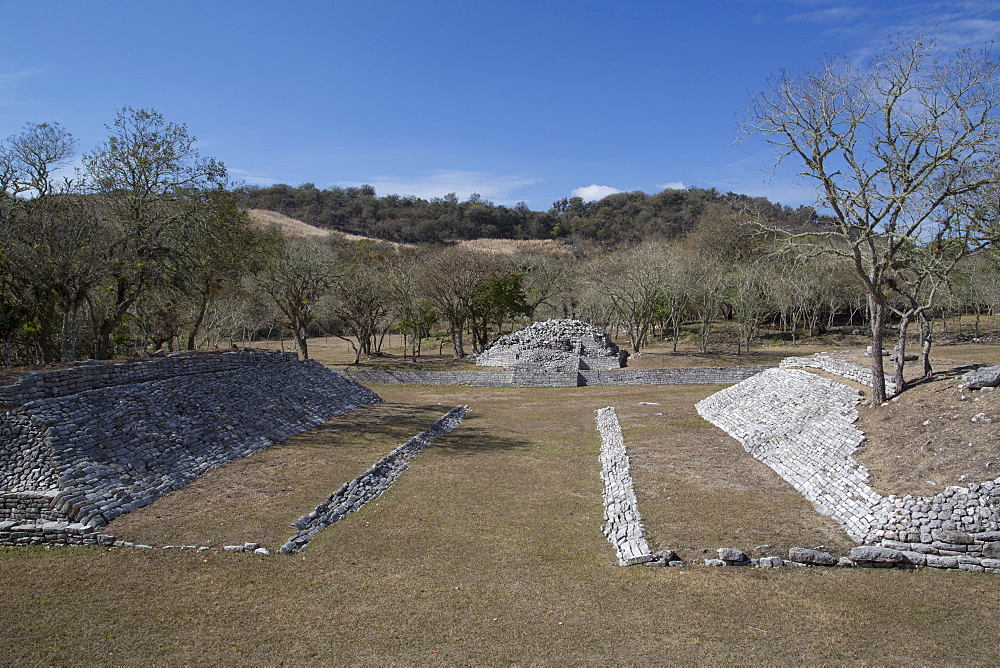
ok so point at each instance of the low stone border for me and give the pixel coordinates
(369, 485)
(582, 378)
(51, 533)
(623, 525)
(843, 368)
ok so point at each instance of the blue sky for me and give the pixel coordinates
(519, 101)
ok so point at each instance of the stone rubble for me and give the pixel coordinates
(553, 345)
(623, 525)
(371, 484)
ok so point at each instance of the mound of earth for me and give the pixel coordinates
(553, 345)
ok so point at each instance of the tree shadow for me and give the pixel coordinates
(385, 418)
(470, 440)
(388, 419)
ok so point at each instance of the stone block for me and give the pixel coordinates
(732, 555)
(876, 555)
(953, 536)
(937, 561)
(813, 557)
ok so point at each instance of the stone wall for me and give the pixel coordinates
(518, 378)
(369, 485)
(685, 376)
(849, 370)
(622, 522)
(93, 374)
(83, 445)
(801, 425)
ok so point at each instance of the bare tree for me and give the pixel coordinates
(632, 280)
(888, 147)
(295, 278)
(28, 161)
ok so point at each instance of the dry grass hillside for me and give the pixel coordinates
(292, 227)
(514, 246)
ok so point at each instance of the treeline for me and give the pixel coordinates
(149, 248)
(627, 217)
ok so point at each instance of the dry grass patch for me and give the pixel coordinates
(254, 499)
(515, 246)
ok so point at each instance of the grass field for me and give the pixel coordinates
(488, 550)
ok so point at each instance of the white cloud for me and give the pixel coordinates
(673, 185)
(499, 188)
(8, 79)
(829, 15)
(594, 192)
(250, 177)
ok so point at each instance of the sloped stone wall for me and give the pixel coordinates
(801, 425)
(84, 445)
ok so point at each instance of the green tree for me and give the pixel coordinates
(148, 175)
(295, 279)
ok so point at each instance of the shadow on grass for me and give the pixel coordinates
(946, 374)
(384, 418)
(469, 439)
(400, 422)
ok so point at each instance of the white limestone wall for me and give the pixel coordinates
(622, 523)
(848, 370)
(802, 426)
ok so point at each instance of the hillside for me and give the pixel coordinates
(620, 218)
(290, 227)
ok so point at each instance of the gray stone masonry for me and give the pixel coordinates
(553, 345)
(369, 485)
(801, 425)
(518, 378)
(848, 370)
(79, 455)
(622, 523)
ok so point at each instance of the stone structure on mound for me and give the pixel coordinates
(80, 446)
(553, 346)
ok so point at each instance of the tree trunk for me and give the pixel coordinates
(458, 347)
(897, 376)
(876, 308)
(301, 335)
(925, 348)
(203, 307)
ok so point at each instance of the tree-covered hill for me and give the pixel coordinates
(622, 217)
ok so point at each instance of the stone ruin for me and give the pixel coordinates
(82, 445)
(553, 346)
